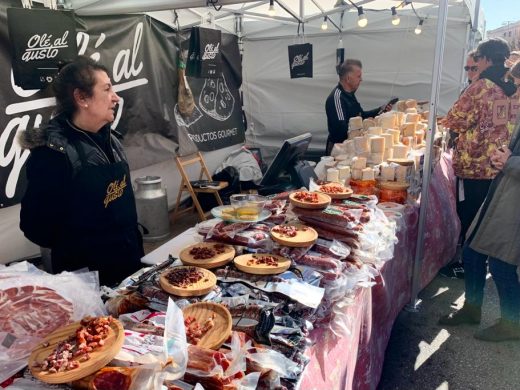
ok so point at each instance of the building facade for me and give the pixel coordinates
(510, 32)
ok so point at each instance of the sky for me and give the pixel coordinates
(500, 11)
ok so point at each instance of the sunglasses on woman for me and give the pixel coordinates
(471, 68)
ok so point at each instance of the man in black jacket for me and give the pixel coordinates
(341, 105)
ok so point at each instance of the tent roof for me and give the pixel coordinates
(256, 23)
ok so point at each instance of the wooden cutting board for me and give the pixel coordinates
(323, 200)
(98, 358)
(202, 287)
(216, 261)
(306, 236)
(220, 332)
(337, 195)
(241, 262)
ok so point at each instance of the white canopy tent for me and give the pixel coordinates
(396, 62)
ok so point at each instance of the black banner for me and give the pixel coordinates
(204, 58)
(300, 60)
(40, 39)
(141, 53)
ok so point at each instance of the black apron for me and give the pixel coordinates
(101, 227)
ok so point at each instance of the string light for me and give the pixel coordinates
(418, 29)
(362, 18)
(324, 25)
(271, 11)
(395, 18)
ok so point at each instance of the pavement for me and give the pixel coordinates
(423, 355)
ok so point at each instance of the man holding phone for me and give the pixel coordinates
(342, 104)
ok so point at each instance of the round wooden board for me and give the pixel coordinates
(214, 262)
(323, 201)
(217, 335)
(340, 195)
(262, 269)
(302, 238)
(98, 358)
(202, 287)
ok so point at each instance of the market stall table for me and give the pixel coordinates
(354, 360)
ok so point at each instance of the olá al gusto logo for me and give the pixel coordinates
(210, 51)
(300, 60)
(41, 47)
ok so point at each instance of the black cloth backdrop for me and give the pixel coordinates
(141, 53)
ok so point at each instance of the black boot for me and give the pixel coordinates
(503, 330)
(469, 314)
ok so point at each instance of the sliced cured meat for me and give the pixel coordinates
(33, 311)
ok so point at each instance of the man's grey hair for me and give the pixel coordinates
(348, 66)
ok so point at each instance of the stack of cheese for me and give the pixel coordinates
(360, 171)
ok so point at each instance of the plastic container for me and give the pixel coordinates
(391, 191)
(363, 187)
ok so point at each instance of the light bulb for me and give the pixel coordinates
(271, 11)
(362, 18)
(418, 29)
(324, 24)
(395, 18)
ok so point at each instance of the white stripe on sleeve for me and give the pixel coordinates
(337, 103)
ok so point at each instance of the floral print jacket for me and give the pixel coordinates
(484, 118)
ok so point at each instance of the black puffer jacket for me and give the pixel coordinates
(50, 215)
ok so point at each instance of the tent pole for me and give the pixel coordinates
(474, 26)
(427, 168)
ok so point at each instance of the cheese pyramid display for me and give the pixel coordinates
(383, 149)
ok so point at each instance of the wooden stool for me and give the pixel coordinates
(186, 186)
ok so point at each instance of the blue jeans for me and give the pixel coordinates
(505, 278)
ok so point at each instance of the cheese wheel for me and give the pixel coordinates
(361, 144)
(396, 133)
(344, 172)
(355, 122)
(368, 123)
(377, 144)
(389, 140)
(359, 162)
(389, 153)
(400, 117)
(401, 105)
(412, 117)
(401, 173)
(388, 121)
(387, 172)
(408, 129)
(354, 133)
(333, 174)
(375, 130)
(400, 151)
(356, 173)
(367, 174)
(349, 146)
(376, 158)
(411, 103)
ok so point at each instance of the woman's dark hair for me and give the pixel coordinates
(78, 74)
(495, 49)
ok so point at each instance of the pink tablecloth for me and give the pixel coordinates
(356, 361)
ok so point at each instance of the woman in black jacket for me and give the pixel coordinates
(79, 201)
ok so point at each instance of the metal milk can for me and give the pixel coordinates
(152, 207)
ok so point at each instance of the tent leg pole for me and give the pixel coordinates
(427, 169)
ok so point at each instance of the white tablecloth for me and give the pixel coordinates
(172, 247)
